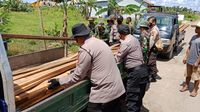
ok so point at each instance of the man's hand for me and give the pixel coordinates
(184, 60)
(54, 83)
(196, 65)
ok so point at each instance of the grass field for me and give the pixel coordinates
(29, 23)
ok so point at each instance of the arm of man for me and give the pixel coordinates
(121, 53)
(111, 35)
(82, 67)
(196, 64)
(153, 36)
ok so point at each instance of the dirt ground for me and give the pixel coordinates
(164, 95)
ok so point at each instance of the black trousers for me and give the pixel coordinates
(112, 106)
(136, 85)
(152, 63)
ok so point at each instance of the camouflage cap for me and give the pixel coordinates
(112, 16)
(101, 23)
(92, 19)
(145, 24)
(108, 18)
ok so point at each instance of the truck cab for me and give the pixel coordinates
(169, 31)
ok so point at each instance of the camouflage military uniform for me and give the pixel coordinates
(131, 27)
(101, 34)
(144, 41)
(92, 28)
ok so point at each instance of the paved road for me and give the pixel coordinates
(164, 95)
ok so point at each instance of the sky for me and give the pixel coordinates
(193, 4)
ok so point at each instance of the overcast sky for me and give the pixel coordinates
(193, 4)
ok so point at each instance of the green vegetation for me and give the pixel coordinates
(28, 23)
(189, 14)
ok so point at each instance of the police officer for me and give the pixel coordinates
(91, 26)
(128, 22)
(97, 61)
(154, 37)
(100, 32)
(130, 52)
(114, 35)
(144, 40)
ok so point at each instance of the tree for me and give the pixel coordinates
(87, 7)
(41, 21)
(113, 6)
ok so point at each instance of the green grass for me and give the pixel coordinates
(28, 23)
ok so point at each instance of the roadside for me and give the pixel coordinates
(164, 95)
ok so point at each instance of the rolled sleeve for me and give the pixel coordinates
(121, 53)
(82, 67)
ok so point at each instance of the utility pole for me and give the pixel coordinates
(40, 14)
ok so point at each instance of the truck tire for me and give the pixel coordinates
(176, 48)
(169, 54)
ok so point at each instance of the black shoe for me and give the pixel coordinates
(153, 80)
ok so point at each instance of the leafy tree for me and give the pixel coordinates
(87, 7)
(128, 9)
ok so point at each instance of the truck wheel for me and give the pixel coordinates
(169, 54)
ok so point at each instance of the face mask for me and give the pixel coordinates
(112, 21)
(91, 22)
(127, 22)
(119, 22)
(150, 24)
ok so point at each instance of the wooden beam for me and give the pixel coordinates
(17, 36)
(24, 84)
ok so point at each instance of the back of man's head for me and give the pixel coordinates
(124, 29)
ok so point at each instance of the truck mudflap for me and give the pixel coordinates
(73, 99)
(3, 106)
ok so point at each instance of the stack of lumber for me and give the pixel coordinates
(183, 27)
(30, 84)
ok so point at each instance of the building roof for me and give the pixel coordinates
(147, 1)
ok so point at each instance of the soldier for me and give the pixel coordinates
(91, 26)
(144, 40)
(100, 32)
(113, 18)
(128, 22)
(114, 35)
(130, 52)
(109, 25)
(154, 37)
(96, 61)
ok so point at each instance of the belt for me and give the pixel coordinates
(135, 68)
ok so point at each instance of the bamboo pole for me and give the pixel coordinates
(40, 14)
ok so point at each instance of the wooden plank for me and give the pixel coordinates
(17, 36)
(24, 84)
(50, 66)
(41, 88)
(22, 71)
(38, 98)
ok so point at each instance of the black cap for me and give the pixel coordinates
(79, 30)
(124, 29)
